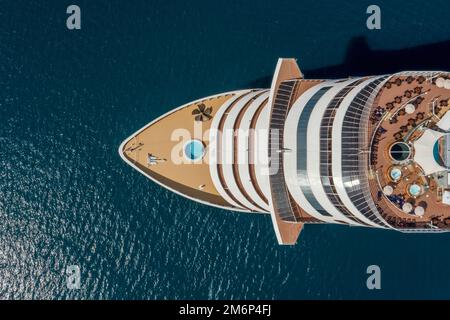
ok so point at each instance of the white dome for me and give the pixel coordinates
(440, 82)
(419, 211)
(388, 190)
(407, 207)
(410, 108)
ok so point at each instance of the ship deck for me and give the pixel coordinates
(162, 139)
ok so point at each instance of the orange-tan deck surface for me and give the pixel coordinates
(401, 126)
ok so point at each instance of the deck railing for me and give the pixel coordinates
(282, 202)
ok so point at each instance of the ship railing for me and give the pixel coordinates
(282, 202)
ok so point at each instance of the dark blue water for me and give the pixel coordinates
(68, 98)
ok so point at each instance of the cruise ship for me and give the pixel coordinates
(368, 151)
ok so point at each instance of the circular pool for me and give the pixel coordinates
(395, 174)
(415, 190)
(194, 150)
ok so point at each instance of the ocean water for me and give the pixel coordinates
(68, 99)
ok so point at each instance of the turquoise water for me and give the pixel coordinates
(414, 189)
(68, 99)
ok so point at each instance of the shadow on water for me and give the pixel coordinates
(361, 60)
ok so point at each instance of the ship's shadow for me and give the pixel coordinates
(361, 60)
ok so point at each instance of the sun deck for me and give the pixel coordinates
(157, 150)
(408, 196)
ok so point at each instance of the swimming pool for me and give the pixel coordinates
(395, 174)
